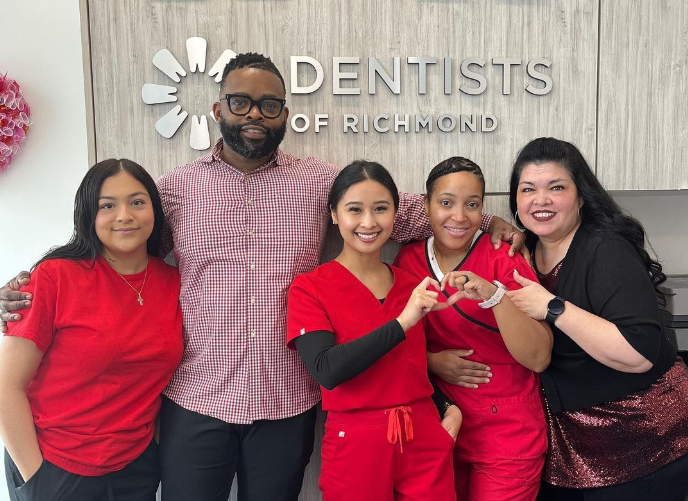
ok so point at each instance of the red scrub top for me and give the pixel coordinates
(503, 418)
(330, 298)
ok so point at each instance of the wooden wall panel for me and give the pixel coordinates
(126, 34)
(643, 96)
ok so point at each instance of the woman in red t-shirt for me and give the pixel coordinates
(82, 373)
(357, 324)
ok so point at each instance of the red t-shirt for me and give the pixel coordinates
(106, 360)
(330, 298)
(503, 418)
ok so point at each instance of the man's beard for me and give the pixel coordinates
(248, 148)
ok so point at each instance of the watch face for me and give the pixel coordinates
(556, 306)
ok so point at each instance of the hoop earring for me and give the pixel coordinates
(518, 222)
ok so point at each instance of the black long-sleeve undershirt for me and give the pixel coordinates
(332, 364)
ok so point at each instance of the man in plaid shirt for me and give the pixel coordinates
(242, 221)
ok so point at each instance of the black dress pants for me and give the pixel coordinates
(138, 481)
(199, 456)
(669, 483)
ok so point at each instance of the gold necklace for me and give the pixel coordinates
(138, 292)
(437, 259)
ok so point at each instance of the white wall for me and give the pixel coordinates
(42, 52)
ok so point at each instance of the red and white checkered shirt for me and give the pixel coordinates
(239, 239)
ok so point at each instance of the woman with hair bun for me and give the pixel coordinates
(501, 446)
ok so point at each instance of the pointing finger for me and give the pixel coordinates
(521, 280)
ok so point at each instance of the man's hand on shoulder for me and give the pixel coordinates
(501, 231)
(11, 299)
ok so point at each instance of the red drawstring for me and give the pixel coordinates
(394, 430)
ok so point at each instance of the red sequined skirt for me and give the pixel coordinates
(620, 441)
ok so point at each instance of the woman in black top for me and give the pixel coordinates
(616, 393)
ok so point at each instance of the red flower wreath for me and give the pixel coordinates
(14, 120)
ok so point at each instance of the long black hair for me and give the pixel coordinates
(599, 211)
(84, 243)
(357, 172)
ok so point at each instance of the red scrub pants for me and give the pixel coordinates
(503, 439)
(488, 479)
(400, 454)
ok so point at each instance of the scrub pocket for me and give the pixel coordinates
(514, 426)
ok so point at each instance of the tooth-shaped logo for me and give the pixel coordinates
(220, 64)
(170, 122)
(156, 94)
(200, 137)
(166, 62)
(167, 125)
(195, 51)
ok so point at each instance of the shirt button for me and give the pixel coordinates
(250, 233)
(253, 300)
(249, 202)
(253, 333)
(253, 266)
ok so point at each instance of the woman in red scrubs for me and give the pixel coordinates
(501, 446)
(357, 323)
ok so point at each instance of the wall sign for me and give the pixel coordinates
(471, 81)
(470, 69)
(169, 123)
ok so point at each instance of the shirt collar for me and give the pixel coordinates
(430, 249)
(216, 156)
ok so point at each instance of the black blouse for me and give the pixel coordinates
(604, 275)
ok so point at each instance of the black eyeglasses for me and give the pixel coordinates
(270, 107)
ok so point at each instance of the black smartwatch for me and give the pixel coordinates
(555, 308)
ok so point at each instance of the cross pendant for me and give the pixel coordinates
(140, 300)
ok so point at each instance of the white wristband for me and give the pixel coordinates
(496, 297)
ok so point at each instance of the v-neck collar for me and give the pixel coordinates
(438, 275)
(361, 285)
(432, 259)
